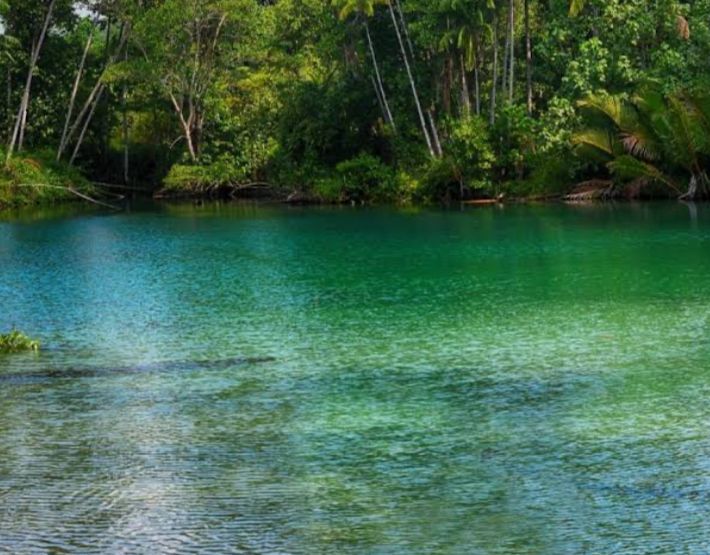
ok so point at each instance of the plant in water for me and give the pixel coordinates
(16, 342)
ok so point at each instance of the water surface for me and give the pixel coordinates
(243, 379)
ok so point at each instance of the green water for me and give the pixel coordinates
(240, 379)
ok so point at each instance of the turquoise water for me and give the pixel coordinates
(242, 379)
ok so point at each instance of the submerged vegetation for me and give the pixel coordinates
(17, 342)
(357, 100)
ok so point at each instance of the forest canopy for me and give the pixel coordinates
(360, 100)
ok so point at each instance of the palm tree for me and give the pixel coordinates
(652, 137)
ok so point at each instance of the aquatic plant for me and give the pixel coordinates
(16, 342)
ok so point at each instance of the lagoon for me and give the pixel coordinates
(237, 378)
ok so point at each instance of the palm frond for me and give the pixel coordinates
(601, 140)
(628, 167)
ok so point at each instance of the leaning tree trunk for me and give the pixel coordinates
(404, 27)
(386, 107)
(89, 107)
(435, 134)
(72, 98)
(85, 127)
(528, 58)
(420, 112)
(18, 131)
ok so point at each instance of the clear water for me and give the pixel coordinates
(240, 379)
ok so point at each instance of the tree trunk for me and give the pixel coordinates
(379, 98)
(72, 98)
(85, 127)
(18, 131)
(511, 72)
(420, 112)
(494, 78)
(506, 54)
(186, 125)
(447, 82)
(528, 58)
(465, 95)
(89, 105)
(404, 27)
(124, 106)
(387, 112)
(435, 134)
(477, 87)
(9, 102)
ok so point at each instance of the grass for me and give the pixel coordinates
(17, 342)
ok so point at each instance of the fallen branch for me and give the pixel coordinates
(72, 191)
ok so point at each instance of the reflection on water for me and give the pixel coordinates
(238, 379)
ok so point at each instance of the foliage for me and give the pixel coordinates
(16, 342)
(37, 178)
(358, 100)
(362, 179)
(652, 137)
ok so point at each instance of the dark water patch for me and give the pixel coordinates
(79, 372)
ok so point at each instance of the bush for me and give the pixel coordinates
(183, 179)
(17, 342)
(36, 178)
(362, 179)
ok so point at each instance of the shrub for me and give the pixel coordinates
(204, 179)
(364, 178)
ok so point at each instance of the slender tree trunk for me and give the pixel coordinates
(9, 102)
(124, 106)
(379, 98)
(494, 78)
(72, 98)
(528, 58)
(435, 134)
(465, 95)
(506, 54)
(420, 112)
(186, 125)
(387, 112)
(511, 72)
(85, 127)
(89, 106)
(477, 87)
(447, 82)
(18, 131)
(404, 27)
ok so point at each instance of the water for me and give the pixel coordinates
(240, 379)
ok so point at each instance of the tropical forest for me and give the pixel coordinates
(357, 100)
